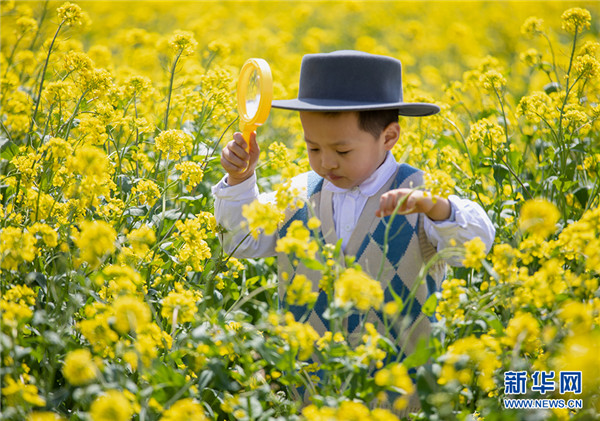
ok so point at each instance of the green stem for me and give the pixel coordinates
(42, 76)
(166, 123)
(563, 152)
(525, 190)
(553, 58)
(165, 186)
(70, 122)
(39, 28)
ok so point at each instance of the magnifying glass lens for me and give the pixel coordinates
(253, 94)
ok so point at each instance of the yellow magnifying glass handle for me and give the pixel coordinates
(246, 132)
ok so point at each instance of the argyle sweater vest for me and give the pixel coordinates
(407, 250)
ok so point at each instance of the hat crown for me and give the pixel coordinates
(351, 76)
(350, 80)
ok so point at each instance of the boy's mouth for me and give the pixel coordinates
(333, 177)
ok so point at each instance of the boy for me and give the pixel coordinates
(349, 104)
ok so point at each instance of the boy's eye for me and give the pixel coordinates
(313, 150)
(342, 152)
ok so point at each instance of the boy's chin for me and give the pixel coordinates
(341, 182)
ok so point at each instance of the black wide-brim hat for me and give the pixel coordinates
(352, 81)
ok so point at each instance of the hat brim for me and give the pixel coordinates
(409, 109)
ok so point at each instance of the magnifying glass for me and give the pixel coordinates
(254, 95)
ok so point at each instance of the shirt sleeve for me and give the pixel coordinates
(236, 239)
(467, 221)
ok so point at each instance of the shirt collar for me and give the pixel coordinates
(374, 182)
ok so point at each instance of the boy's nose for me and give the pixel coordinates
(328, 161)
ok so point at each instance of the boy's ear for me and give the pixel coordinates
(390, 135)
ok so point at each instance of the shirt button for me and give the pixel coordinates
(348, 227)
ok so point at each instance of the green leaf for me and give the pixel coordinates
(500, 172)
(313, 264)
(496, 324)
(8, 149)
(251, 281)
(420, 355)
(430, 305)
(137, 210)
(582, 195)
(191, 198)
(338, 248)
(174, 214)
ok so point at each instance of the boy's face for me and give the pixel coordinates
(339, 151)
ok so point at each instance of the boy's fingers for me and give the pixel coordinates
(239, 140)
(233, 159)
(389, 201)
(386, 205)
(238, 147)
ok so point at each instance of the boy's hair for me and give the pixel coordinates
(375, 121)
(372, 121)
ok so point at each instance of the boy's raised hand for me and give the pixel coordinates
(239, 163)
(416, 202)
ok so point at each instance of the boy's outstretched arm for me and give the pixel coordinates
(449, 222)
(236, 189)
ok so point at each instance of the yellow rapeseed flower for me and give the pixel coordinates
(297, 242)
(97, 81)
(44, 416)
(141, 239)
(474, 253)
(111, 406)
(439, 183)
(482, 355)
(538, 218)
(523, 330)
(184, 42)
(20, 392)
(147, 192)
(356, 288)
(532, 26)
(537, 106)
(493, 80)
(576, 19)
(579, 352)
(182, 300)
(26, 25)
(486, 132)
(262, 217)
(48, 234)
(79, 368)
(90, 161)
(185, 409)
(173, 142)
(449, 305)
(395, 375)
(76, 61)
(131, 314)
(16, 246)
(300, 292)
(587, 66)
(300, 336)
(95, 240)
(71, 14)
(191, 172)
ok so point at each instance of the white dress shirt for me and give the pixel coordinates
(467, 220)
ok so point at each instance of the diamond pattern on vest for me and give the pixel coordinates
(401, 263)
